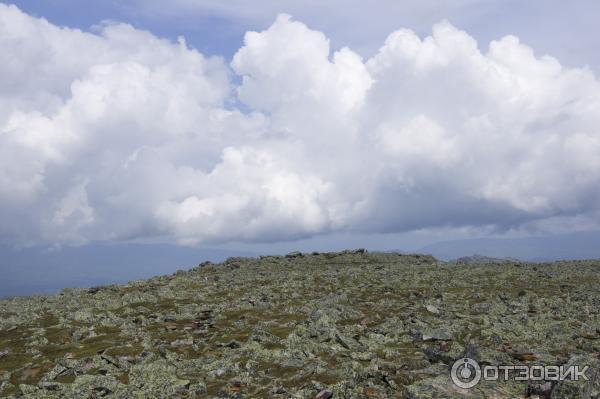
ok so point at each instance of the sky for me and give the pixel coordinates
(263, 124)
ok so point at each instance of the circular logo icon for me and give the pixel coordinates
(465, 373)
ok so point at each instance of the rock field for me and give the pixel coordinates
(330, 325)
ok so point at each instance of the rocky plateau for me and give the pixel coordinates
(323, 325)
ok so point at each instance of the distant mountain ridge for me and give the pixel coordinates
(39, 271)
(583, 245)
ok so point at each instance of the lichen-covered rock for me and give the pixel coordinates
(581, 388)
(356, 324)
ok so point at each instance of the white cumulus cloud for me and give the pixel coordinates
(119, 134)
